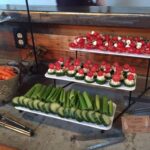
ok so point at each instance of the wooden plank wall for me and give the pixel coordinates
(56, 38)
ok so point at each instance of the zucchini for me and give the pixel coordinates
(15, 101)
(110, 108)
(54, 107)
(91, 116)
(105, 105)
(83, 105)
(47, 92)
(87, 100)
(106, 120)
(72, 112)
(60, 111)
(84, 115)
(97, 103)
(47, 107)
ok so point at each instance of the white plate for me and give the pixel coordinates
(102, 127)
(71, 79)
(111, 53)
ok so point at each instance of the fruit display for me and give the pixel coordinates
(7, 72)
(105, 42)
(77, 105)
(103, 73)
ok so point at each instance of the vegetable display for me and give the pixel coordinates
(7, 72)
(69, 104)
(116, 75)
(105, 42)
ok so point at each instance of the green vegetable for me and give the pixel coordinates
(87, 100)
(50, 94)
(61, 96)
(110, 108)
(36, 91)
(97, 103)
(47, 92)
(41, 92)
(31, 91)
(72, 98)
(105, 105)
(83, 105)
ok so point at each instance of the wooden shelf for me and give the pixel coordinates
(96, 51)
(71, 79)
(102, 127)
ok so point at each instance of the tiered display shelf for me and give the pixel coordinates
(96, 51)
(70, 79)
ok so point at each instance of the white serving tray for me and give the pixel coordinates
(71, 79)
(111, 53)
(102, 127)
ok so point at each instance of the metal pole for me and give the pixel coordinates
(147, 75)
(32, 36)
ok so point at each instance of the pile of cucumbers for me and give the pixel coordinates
(69, 104)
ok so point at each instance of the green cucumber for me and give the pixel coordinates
(51, 94)
(91, 116)
(15, 101)
(21, 98)
(67, 99)
(56, 96)
(25, 101)
(98, 118)
(61, 96)
(72, 112)
(35, 104)
(110, 108)
(30, 92)
(84, 115)
(42, 91)
(87, 100)
(36, 91)
(41, 106)
(47, 107)
(64, 97)
(72, 98)
(54, 107)
(30, 105)
(106, 120)
(47, 92)
(78, 115)
(67, 112)
(97, 103)
(105, 105)
(60, 111)
(83, 104)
